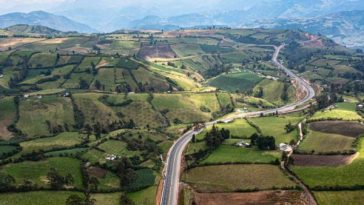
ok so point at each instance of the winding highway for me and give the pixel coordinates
(171, 173)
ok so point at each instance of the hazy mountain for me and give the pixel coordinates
(234, 13)
(42, 18)
(345, 27)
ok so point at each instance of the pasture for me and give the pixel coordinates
(63, 140)
(46, 115)
(7, 116)
(340, 176)
(37, 171)
(275, 126)
(233, 154)
(36, 198)
(321, 143)
(232, 178)
(339, 197)
(232, 82)
(342, 111)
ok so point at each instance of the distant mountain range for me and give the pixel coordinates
(333, 18)
(189, 13)
(345, 27)
(42, 18)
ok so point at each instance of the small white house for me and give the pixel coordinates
(1, 75)
(243, 144)
(285, 147)
(26, 96)
(111, 157)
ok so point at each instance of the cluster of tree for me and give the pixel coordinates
(7, 182)
(57, 181)
(224, 110)
(289, 127)
(263, 142)
(99, 128)
(215, 137)
(4, 155)
(78, 115)
(326, 99)
(259, 93)
(355, 87)
(75, 199)
(125, 171)
(284, 95)
(147, 145)
(99, 86)
(83, 84)
(105, 99)
(55, 128)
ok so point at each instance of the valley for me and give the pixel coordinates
(189, 116)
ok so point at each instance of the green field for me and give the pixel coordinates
(93, 110)
(235, 81)
(144, 197)
(145, 178)
(238, 129)
(63, 140)
(320, 143)
(272, 91)
(107, 199)
(274, 126)
(343, 111)
(46, 115)
(37, 171)
(42, 60)
(230, 178)
(139, 110)
(118, 148)
(342, 176)
(36, 198)
(339, 197)
(7, 116)
(87, 63)
(234, 154)
(181, 107)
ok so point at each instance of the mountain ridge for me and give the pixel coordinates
(43, 18)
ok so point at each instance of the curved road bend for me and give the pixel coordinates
(172, 168)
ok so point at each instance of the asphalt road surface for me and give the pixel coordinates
(171, 173)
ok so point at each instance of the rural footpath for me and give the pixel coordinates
(172, 170)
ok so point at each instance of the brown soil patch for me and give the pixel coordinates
(352, 129)
(323, 160)
(54, 41)
(254, 198)
(77, 49)
(102, 63)
(159, 192)
(4, 132)
(13, 42)
(156, 51)
(97, 172)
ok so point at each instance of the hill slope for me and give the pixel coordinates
(23, 29)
